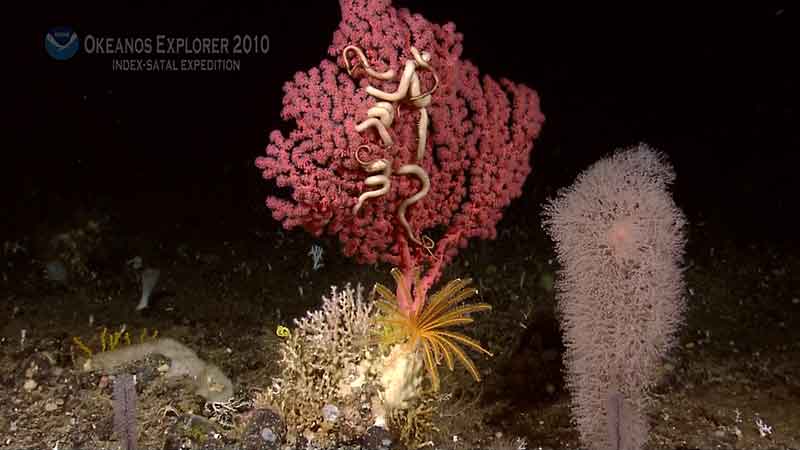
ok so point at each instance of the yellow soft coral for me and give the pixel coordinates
(111, 341)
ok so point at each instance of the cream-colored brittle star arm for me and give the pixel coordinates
(422, 100)
(383, 180)
(402, 88)
(419, 172)
(422, 124)
(409, 71)
(381, 116)
(383, 111)
(387, 75)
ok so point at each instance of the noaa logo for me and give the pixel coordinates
(61, 43)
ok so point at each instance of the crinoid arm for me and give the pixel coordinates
(454, 292)
(425, 330)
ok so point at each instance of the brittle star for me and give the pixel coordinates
(381, 117)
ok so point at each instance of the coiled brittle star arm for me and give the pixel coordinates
(422, 100)
(381, 117)
(422, 125)
(383, 180)
(402, 88)
(419, 172)
(387, 75)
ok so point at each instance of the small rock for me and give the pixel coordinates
(330, 413)
(50, 406)
(268, 435)
(30, 385)
(56, 271)
(690, 345)
(264, 430)
(163, 368)
(795, 301)
(38, 365)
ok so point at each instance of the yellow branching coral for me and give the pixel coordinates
(424, 329)
(83, 347)
(111, 341)
(144, 336)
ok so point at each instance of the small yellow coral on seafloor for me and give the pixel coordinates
(111, 341)
(83, 347)
(424, 329)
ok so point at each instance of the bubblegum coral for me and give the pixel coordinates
(396, 108)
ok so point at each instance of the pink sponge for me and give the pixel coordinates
(620, 241)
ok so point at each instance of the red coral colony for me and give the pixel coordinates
(396, 139)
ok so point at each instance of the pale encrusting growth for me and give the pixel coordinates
(620, 241)
(209, 380)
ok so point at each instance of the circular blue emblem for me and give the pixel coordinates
(61, 43)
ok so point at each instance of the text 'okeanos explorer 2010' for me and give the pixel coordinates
(161, 44)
